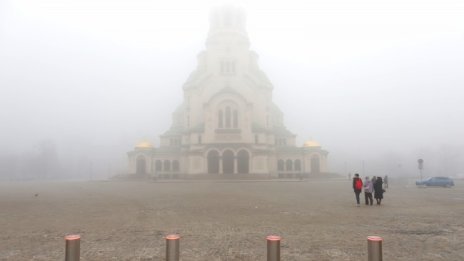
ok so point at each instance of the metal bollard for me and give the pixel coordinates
(374, 248)
(73, 247)
(273, 248)
(172, 247)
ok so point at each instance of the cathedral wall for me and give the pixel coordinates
(249, 88)
(260, 108)
(291, 141)
(272, 164)
(194, 113)
(270, 139)
(226, 83)
(260, 164)
(216, 134)
(322, 161)
(194, 139)
(196, 164)
(147, 159)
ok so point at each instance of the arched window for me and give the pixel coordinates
(281, 165)
(167, 165)
(141, 165)
(228, 117)
(175, 166)
(235, 119)
(213, 162)
(289, 165)
(297, 165)
(220, 119)
(158, 165)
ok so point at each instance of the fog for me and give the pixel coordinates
(379, 84)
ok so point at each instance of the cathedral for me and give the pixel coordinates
(227, 123)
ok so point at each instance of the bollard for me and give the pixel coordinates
(172, 247)
(273, 248)
(374, 248)
(73, 247)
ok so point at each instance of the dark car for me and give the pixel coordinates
(436, 181)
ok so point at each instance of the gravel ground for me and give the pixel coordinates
(228, 220)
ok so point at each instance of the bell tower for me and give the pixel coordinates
(227, 27)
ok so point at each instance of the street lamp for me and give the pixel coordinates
(420, 166)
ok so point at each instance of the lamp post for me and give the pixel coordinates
(420, 166)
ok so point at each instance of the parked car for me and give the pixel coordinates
(436, 181)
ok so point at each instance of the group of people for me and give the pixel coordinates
(372, 187)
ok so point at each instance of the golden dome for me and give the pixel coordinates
(311, 143)
(144, 145)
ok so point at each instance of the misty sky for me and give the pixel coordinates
(364, 78)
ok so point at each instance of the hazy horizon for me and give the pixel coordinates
(374, 82)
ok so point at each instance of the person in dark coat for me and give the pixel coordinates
(378, 190)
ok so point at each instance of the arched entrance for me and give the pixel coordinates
(167, 165)
(315, 164)
(243, 162)
(289, 165)
(141, 165)
(281, 165)
(297, 165)
(213, 162)
(175, 166)
(228, 162)
(158, 166)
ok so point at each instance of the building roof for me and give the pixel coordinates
(144, 145)
(311, 143)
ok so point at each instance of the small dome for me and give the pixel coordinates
(311, 143)
(144, 145)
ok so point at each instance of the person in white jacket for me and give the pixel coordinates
(368, 189)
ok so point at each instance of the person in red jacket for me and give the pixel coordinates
(357, 187)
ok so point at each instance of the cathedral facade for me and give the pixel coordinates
(227, 123)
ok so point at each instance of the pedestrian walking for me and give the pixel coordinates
(378, 190)
(357, 187)
(368, 189)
